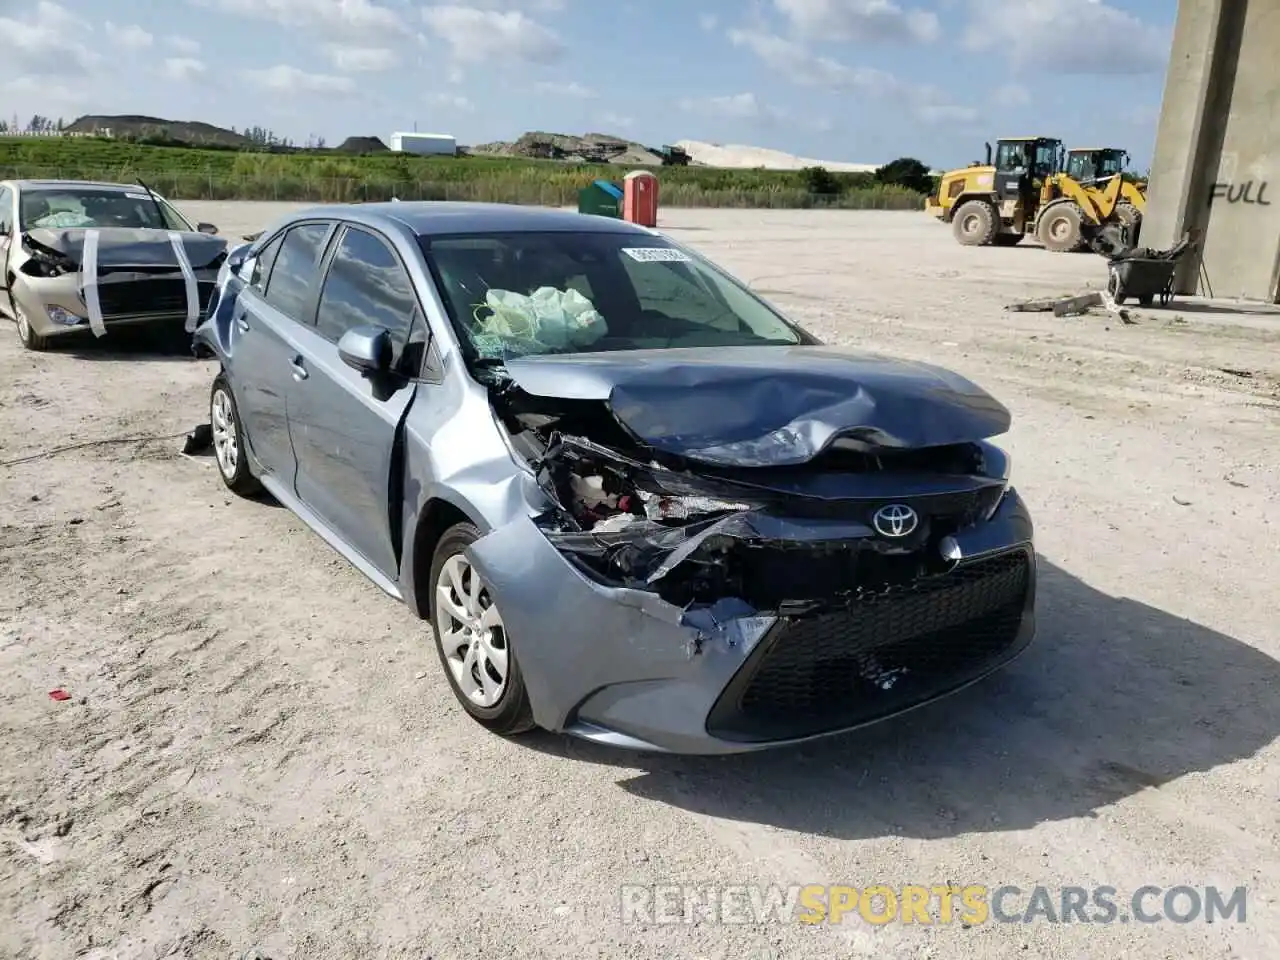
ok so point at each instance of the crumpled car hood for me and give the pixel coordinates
(768, 406)
(125, 247)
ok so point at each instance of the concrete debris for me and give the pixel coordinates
(1072, 306)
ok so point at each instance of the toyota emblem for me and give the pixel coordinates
(895, 520)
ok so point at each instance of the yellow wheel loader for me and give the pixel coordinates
(995, 203)
(1027, 187)
(1113, 195)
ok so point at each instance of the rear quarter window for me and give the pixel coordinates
(294, 274)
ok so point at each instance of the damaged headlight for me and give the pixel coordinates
(782, 446)
(659, 507)
(45, 265)
(625, 522)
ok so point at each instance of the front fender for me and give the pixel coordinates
(212, 339)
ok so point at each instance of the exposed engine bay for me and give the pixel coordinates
(794, 539)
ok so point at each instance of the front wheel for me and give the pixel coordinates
(228, 440)
(30, 339)
(1061, 228)
(472, 641)
(1128, 216)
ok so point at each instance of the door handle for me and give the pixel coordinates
(299, 371)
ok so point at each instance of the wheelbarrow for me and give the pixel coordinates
(1146, 274)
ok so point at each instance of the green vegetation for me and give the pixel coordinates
(325, 176)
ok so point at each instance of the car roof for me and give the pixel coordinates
(61, 184)
(427, 218)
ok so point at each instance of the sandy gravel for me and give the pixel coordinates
(260, 750)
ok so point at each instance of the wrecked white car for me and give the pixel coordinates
(78, 256)
(637, 504)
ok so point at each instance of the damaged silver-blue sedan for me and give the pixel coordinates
(636, 503)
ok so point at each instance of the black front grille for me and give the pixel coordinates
(163, 295)
(885, 652)
(956, 510)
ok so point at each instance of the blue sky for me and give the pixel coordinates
(851, 80)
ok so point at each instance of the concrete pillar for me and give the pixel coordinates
(1188, 136)
(1242, 239)
(1218, 148)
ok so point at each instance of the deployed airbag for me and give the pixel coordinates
(548, 319)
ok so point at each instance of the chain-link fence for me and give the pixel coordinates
(202, 185)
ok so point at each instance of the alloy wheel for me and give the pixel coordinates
(471, 633)
(226, 447)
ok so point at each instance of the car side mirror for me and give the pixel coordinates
(367, 349)
(206, 228)
(236, 257)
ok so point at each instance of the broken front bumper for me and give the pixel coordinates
(624, 667)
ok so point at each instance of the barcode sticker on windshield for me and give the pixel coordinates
(137, 196)
(656, 255)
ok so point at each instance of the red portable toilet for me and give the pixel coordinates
(640, 198)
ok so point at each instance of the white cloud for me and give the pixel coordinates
(24, 96)
(184, 68)
(1042, 35)
(1012, 95)
(796, 62)
(616, 120)
(451, 101)
(351, 59)
(571, 89)
(333, 16)
(539, 6)
(284, 79)
(849, 20)
(47, 41)
(132, 37)
(738, 106)
(184, 46)
(474, 35)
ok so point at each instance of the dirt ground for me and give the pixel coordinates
(260, 749)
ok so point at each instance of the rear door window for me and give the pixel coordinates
(293, 276)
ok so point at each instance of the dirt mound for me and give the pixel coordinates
(362, 145)
(194, 132)
(588, 148)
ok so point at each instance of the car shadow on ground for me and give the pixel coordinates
(1113, 697)
(129, 345)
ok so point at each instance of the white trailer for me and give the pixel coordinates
(428, 144)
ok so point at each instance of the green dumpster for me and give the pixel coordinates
(602, 199)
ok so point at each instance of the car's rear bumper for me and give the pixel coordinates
(617, 666)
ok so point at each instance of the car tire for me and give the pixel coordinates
(228, 441)
(484, 675)
(30, 339)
